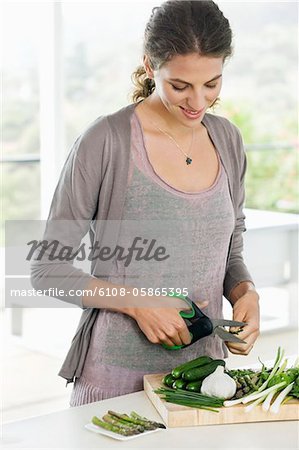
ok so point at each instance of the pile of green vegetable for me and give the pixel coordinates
(205, 383)
(184, 384)
(189, 375)
(126, 425)
(270, 387)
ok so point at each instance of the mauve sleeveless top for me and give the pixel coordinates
(119, 353)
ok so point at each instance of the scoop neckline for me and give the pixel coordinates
(163, 182)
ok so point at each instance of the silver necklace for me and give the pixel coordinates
(188, 159)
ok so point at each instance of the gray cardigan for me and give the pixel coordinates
(92, 188)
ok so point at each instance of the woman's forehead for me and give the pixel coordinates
(192, 65)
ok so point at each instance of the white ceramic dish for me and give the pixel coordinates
(119, 437)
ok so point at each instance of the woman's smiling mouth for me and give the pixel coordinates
(191, 114)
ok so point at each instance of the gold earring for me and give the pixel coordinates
(215, 102)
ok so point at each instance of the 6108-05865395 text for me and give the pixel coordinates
(101, 291)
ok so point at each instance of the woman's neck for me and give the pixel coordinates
(161, 115)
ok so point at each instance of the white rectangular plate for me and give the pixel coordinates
(95, 429)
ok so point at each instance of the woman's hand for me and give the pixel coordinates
(163, 325)
(246, 309)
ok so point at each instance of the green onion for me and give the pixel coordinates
(189, 398)
(268, 400)
(252, 405)
(278, 360)
(279, 399)
(254, 396)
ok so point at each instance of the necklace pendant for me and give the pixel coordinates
(188, 160)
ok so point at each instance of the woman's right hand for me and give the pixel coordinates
(163, 325)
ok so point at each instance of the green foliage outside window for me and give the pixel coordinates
(272, 168)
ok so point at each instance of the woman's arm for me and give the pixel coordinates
(74, 205)
(242, 288)
(236, 268)
(239, 287)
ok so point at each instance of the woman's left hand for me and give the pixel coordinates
(246, 309)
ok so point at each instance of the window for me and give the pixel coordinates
(259, 96)
(102, 47)
(21, 142)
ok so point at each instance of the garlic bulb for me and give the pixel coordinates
(219, 384)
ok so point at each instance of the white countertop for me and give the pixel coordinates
(65, 429)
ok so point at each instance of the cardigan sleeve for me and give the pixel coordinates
(236, 268)
(73, 206)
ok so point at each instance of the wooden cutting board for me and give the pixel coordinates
(183, 416)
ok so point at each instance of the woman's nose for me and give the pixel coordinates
(197, 101)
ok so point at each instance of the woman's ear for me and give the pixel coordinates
(147, 67)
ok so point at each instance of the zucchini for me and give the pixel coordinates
(199, 373)
(179, 384)
(179, 370)
(194, 386)
(168, 380)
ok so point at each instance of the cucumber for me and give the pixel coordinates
(168, 380)
(199, 373)
(194, 386)
(179, 384)
(178, 371)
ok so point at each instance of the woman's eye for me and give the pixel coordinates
(211, 86)
(178, 89)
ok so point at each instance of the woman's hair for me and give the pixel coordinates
(179, 28)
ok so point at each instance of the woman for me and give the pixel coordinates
(162, 156)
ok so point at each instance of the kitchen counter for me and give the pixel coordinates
(65, 429)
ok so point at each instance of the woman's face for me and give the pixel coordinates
(187, 85)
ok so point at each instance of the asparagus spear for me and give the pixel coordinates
(134, 415)
(127, 418)
(130, 424)
(108, 426)
(123, 424)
